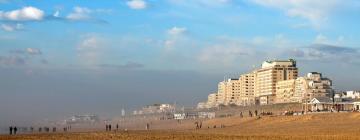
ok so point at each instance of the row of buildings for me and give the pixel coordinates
(275, 82)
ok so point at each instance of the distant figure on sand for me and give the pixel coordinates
(250, 113)
(15, 129)
(147, 126)
(241, 115)
(256, 112)
(109, 127)
(10, 130)
(117, 127)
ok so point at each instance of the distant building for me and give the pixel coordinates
(247, 89)
(285, 92)
(275, 82)
(206, 115)
(303, 88)
(270, 73)
(352, 94)
(82, 119)
(155, 108)
(201, 105)
(314, 85)
(179, 116)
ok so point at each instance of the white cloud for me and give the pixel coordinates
(137, 4)
(12, 27)
(175, 36)
(90, 49)
(315, 11)
(323, 39)
(25, 14)
(177, 31)
(57, 14)
(79, 13)
(225, 55)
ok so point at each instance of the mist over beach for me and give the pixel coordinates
(203, 69)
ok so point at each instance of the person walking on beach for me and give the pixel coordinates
(11, 130)
(109, 127)
(241, 115)
(15, 129)
(147, 126)
(117, 127)
(256, 112)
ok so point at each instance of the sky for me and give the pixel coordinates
(59, 58)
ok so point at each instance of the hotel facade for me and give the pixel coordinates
(275, 82)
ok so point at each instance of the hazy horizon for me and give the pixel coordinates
(61, 58)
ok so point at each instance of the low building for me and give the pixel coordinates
(206, 115)
(155, 108)
(321, 104)
(356, 104)
(352, 94)
(202, 105)
(179, 116)
(82, 119)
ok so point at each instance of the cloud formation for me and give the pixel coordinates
(128, 65)
(12, 27)
(27, 51)
(20, 57)
(316, 12)
(90, 49)
(24, 14)
(177, 30)
(325, 53)
(12, 61)
(79, 13)
(137, 4)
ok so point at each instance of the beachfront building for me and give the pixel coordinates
(352, 94)
(275, 82)
(232, 91)
(313, 85)
(246, 93)
(303, 89)
(155, 108)
(285, 92)
(268, 75)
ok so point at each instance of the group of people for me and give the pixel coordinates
(13, 130)
(256, 113)
(198, 125)
(108, 127)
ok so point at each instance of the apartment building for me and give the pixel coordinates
(232, 91)
(313, 85)
(246, 92)
(285, 91)
(268, 75)
(275, 82)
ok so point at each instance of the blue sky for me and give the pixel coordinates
(157, 34)
(52, 51)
